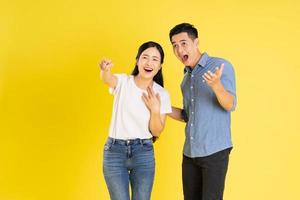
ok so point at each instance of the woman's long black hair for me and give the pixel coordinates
(158, 78)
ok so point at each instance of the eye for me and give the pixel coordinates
(175, 46)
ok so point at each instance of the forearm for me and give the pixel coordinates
(108, 78)
(156, 124)
(105, 75)
(176, 114)
(225, 98)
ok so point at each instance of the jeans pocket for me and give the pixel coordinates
(106, 147)
(148, 145)
(108, 144)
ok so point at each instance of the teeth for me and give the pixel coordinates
(148, 69)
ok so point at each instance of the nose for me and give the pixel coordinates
(148, 62)
(179, 50)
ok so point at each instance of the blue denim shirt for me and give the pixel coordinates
(208, 124)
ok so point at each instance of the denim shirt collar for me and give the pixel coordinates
(202, 62)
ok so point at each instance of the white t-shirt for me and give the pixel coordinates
(130, 117)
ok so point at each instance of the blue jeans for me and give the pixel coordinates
(129, 161)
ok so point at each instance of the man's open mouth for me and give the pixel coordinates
(185, 57)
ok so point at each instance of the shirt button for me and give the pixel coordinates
(191, 87)
(192, 75)
(191, 124)
(192, 138)
(192, 113)
(192, 99)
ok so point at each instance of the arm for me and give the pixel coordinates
(225, 98)
(157, 120)
(105, 74)
(176, 114)
(157, 123)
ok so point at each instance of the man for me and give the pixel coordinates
(209, 96)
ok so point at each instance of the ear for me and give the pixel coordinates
(196, 42)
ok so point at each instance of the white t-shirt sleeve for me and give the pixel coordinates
(165, 102)
(121, 79)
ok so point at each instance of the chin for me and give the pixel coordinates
(148, 76)
(186, 63)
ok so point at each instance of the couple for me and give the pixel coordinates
(139, 112)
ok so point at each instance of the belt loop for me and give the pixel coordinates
(114, 140)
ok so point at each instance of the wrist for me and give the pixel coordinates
(155, 112)
(105, 70)
(217, 86)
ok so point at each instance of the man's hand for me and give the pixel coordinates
(213, 79)
(225, 98)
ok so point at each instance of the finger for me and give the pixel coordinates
(222, 68)
(206, 80)
(219, 70)
(102, 65)
(145, 96)
(150, 92)
(105, 60)
(211, 74)
(145, 100)
(207, 77)
(158, 97)
(109, 65)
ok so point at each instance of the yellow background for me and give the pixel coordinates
(55, 113)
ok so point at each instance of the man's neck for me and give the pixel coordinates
(196, 60)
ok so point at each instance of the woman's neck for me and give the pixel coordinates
(142, 82)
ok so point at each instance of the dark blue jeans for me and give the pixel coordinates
(129, 162)
(203, 178)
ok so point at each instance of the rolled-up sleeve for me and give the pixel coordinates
(228, 81)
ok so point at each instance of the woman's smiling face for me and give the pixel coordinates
(149, 62)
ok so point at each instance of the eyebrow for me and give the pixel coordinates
(149, 56)
(180, 41)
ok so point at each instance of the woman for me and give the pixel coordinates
(139, 110)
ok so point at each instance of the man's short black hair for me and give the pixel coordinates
(184, 27)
